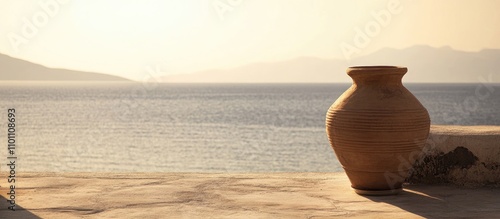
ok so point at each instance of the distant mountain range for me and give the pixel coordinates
(21, 70)
(425, 64)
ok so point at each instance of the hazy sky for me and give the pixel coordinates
(125, 37)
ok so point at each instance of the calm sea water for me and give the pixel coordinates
(199, 127)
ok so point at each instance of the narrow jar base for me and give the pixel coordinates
(378, 192)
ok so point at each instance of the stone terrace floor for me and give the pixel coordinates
(208, 195)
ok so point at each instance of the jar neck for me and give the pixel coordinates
(377, 75)
(377, 80)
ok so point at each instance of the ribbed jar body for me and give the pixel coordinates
(377, 128)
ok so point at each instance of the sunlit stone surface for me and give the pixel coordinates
(466, 156)
(462, 155)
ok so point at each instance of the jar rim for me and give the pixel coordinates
(381, 69)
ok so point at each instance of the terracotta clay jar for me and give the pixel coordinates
(377, 129)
